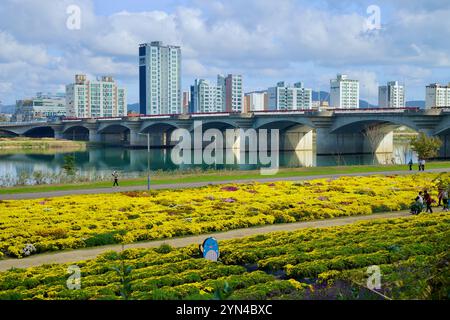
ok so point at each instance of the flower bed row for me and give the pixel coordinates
(93, 220)
(412, 253)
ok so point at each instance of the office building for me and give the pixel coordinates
(437, 96)
(391, 95)
(42, 106)
(286, 97)
(95, 99)
(344, 93)
(159, 79)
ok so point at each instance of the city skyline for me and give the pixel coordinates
(45, 55)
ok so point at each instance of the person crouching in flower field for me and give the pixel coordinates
(417, 206)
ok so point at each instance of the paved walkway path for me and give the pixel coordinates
(86, 254)
(38, 195)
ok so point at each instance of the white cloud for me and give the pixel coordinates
(11, 50)
(265, 40)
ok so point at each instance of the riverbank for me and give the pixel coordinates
(180, 178)
(8, 145)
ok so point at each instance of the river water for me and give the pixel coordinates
(132, 162)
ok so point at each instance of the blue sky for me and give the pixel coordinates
(264, 40)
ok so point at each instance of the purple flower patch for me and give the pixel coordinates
(230, 188)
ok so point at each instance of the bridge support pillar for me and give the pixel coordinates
(242, 139)
(59, 134)
(299, 139)
(94, 136)
(140, 139)
(445, 149)
(136, 139)
(58, 130)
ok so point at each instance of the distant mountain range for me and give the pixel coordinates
(324, 96)
(134, 107)
(416, 103)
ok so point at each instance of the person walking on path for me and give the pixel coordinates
(428, 201)
(422, 165)
(445, 200)
(116, 179)
(440, 195)
(410, 163)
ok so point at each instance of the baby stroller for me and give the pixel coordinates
(417, 208)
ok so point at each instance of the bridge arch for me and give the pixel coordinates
(444, 127)
(115, 134)
(352, 125)
(375, 135)
(284, 123)
(8, 133)
(40, 132)
(76, 133)
(160, 134)
(294, 134)
(112, 127)
(444, 134)
(158, 126)
(220, 124)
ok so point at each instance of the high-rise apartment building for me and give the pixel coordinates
(437, 96)
(205, 97)
(95, 99)
(391, 96)
(186, 101)
(286, 97)
(256, 101)
(344, 93)
(232, 92)
(159, 79)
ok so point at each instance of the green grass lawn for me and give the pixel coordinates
(171, 178)
(24, 144)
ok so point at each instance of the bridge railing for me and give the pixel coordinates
(262, 112)
(378, 110)
(13, 124)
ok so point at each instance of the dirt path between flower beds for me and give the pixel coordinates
(52, 194)
(86, 254)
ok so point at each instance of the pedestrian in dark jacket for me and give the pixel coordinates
(410, 165)
(428, 201)
(116, 179)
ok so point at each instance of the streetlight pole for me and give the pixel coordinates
(148, 161)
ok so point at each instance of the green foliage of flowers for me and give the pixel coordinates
(92, 220)
(412, 252)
